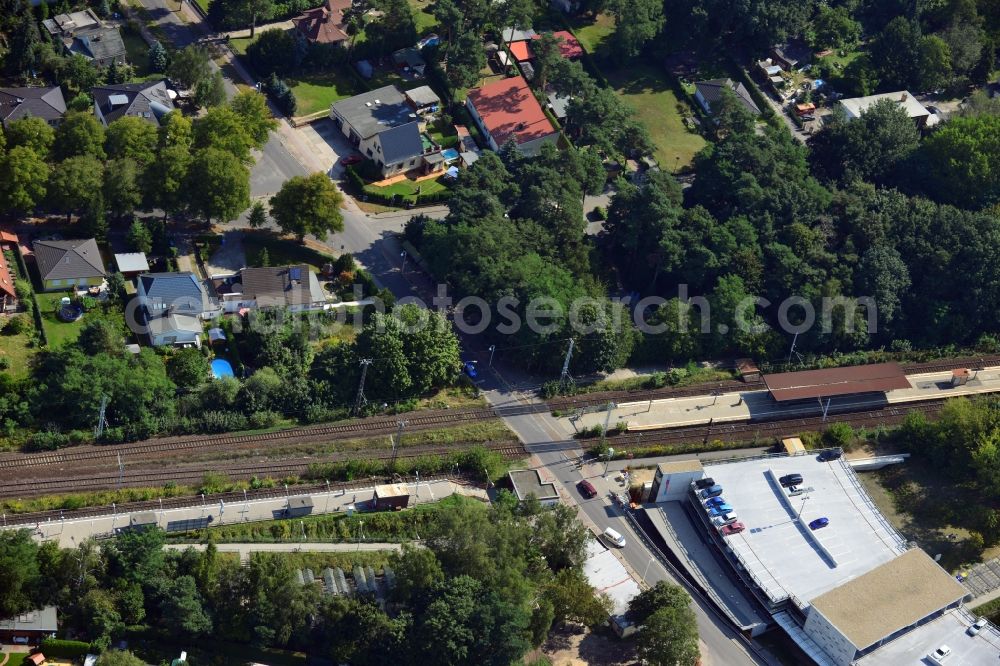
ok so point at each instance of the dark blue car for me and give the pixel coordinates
(819, 523)
(714, 491)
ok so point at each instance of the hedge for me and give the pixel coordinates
(54, 647)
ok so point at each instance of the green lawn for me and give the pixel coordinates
(282, 252)
(422, 16)
(593, 33)
(317, 91)
(204, 4)
(136, 50)
(646, 89)
(840, 62)
(15, 349)
(58, 333)
(240, 44)
(409, 188)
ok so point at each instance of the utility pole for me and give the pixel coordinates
(121, 472)
(102, 422)
(361, 401)
(607, 422)
(565, 376)
(396, 444)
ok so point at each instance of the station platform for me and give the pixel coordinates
(760, 406)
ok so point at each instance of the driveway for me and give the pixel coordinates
(230, 257)
(327, 143)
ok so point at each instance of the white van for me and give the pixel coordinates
(614, 538)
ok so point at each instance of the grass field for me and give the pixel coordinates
(317, 91)
(409, 188)
(240, 44)
(422, 16)
(281, 251)
(646, 89)
(204, 4)
(593, 34)
(58, 333)
(15, 349)
(136, 51)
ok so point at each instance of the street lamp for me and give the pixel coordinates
(610, 454)
(402, 265)
(646, 571)
(493, 348)
(327, 496)
(799, 514)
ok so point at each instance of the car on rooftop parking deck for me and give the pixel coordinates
(734, 528)
(715, 501)
(790, 480)
(939, 655)
(714, 491)
(819, 523)
(976, 627)
(720, 510)
(827, 456)
(707, 482)
(719, 521)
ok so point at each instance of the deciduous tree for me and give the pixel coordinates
(308, 205)
(131, 137)
(30, 132)
(218, 184)
(251, 107)
(79, 134)
(75, 184)
(23, 179)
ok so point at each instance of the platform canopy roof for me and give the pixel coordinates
(875, 378)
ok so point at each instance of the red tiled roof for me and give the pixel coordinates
(569, 46)
(325, 24)
(508, 108)
(6, 279)
(8, 237)
(520, 51)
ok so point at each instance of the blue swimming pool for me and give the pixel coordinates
(449, 154)
(221, 368)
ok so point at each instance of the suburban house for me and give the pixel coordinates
(149, 100)
(30, 627)
(324, 24)
(851, 109)
(131, 264)
(709, 94)
(507, 110)
(63, 264)
(173, 307)
(8, 294)
(45, 103)
(790, 56)
(84, 34)
(382, 126)
(294, 288)
(410, 62)
(511, 35)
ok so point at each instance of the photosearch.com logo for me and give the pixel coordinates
(509, 315)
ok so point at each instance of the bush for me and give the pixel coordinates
(17, 324)
(54, 647)
(282, 95)
(839, 434)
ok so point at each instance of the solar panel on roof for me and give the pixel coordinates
(118, 100)
(295, 273)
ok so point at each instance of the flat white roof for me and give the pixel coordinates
(949, 629)
(781, 553)
(132, 262)
(855, 106)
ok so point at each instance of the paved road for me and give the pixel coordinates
(275, 163)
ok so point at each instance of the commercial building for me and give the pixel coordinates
(507, 110)
(528, 482)
(849, 591)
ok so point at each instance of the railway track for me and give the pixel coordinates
(194, 474)
(178, 446)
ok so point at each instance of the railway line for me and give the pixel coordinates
(176, 447)
(194, 474)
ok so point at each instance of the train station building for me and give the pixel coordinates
(852, 591)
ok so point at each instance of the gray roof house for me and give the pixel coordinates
(293, 288)
(33, 625)
(383, 126)
(84, 33)
(709, 93)
(66, 263)
(173, 306)
(45, 103)
(149, 100)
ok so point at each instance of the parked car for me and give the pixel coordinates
(939, 655)
(791, 480)
(614, 538)
(734, 528)
(727, 519)
(827, 456)
(587, 489)
(715, 501)
(714, 491)
(976, 627)
(720, 510)
(707, 482)
(469, 367)
(819, 523)
(349, 160)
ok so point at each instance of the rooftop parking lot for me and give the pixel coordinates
(949, 629)
(779, 550)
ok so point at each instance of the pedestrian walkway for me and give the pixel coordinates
(741, 406)
(245, 32)
(69, 533)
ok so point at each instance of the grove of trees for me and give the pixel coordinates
(487, 588)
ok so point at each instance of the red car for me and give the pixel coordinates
(587, 489)
(734, 528)
(348, 160)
